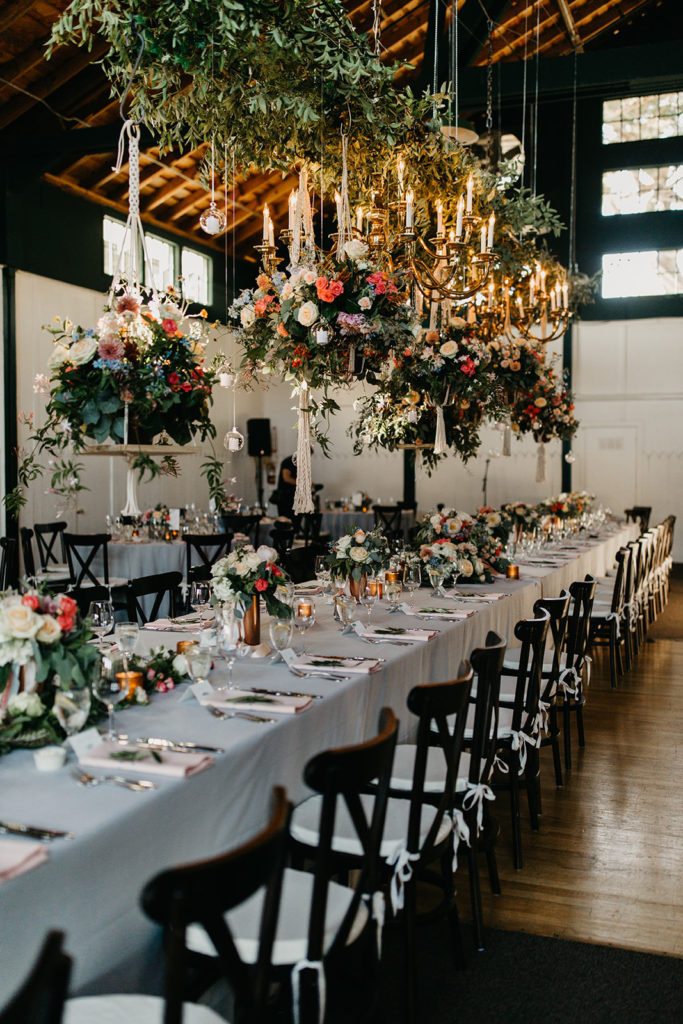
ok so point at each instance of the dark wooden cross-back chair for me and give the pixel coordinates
(236, 522)
(639, 514)
(9, 563)
(163, 586)
(40, 1000)
(282, 539)
(518, 728)
(201, 897)
(205, 548)
(388, 518)
(608, 626)
(570, 697)
(27, 553)
(81, 551)
(50, 541)
(309, 530)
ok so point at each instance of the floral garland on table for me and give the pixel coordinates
(568, 505)
(359, 553)
(497, 521)
(521, 514)
(479, 551)
(137, 374)
(249, 572)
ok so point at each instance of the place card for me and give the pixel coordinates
(197, 691)
(288, 656)
(83, 742)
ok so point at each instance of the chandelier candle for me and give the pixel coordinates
(266, 219)
(458, 221)
(439, 218)
(470, 188)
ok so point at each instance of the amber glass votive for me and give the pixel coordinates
(305, 609)
(391, 576)
(131, 679)
(183, 646)
(512, 572)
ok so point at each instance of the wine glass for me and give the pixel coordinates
(101, 615)
(345, 606)
(71, 707)
(285, 591)
(369, 597)
(200, 598)
(304, 618)
(322, 572)
(126, 634)
(110, 685)
(436, 574)
(393, 592)
(281, 633)
(412, 578)
(198, 662)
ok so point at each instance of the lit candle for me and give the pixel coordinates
(400, 167)
(304, 610)
(543, 277)
(391, 576)
(130, 681)
(451, 236)
(409, 209)
(553, 300)
(538, 275)
(321, 337)
(565, 295)
(359, 218)
(458, 221)
(266, 218)
(271, 233)
(482, 247)
(491, 295)
(531, 292)
(439, 218)
(492, 221)
(520, 307)
(470, 188)
(292, 209)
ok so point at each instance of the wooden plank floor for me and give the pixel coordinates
(607, 863)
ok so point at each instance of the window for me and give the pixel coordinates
(113, 233)
(196, 274)
(642, 190)
(627, 274)
(643, 117)
(162, 257)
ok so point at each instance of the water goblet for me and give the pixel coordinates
(126, 634)
(304, 618)
(200, 598)
(71, 707)
(101, 615)
(393, 592)
(281, 633)
(110, 685)
(198, 662)
(435, 573)
(369, 596)
(412, 578)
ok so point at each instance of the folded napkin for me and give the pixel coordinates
(389, 633)
(471, 596)
(245, 700)
(440, 613)
(166, 762)
(17, 856)
(307, 589)
(183, 624)
(336, 663)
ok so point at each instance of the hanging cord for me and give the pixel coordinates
(376, 26)
(489, 95)
(132, 76)
(454, 21)
(538, 61)
(344, 228)
(435, 68)
(572, 190)
(524, 73)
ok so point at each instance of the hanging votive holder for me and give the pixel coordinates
(233, 440)
(212, 220)
(321, 336)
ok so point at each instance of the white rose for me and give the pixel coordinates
(58, 357)
(23, 623)
(449, 348)
(83, 351)
(50, 630)
(365, 302)
(180, 665)
(343, 542)
(435, 521)
(465, 567)
(493, 519)
(267, 554)
(448, 550)
(241, 568)
(458, 322)
(308, 313)
(26, 704)
(287, 291)
(358, 554)
(359, 536)
(478, 567)
(310, 277)
(247, 316)
(355, 249)
(453, 525)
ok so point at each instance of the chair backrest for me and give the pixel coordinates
(558, 610)
(639, 514)
(434, 703)
(283, 537)
(81, 551)
(46, 539)
(40, 1000)
(248, 524)
(163, 585)
(532, 635)
(9, 563)
(343, 774)
(309, 527)
(206, 548)
(26, 538)
(583, 594)
(487, 662)
(198, 572)
(203, 892)
(622, 559)
(388, 518)
(84, 596)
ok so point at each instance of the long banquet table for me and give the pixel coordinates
(90, 886)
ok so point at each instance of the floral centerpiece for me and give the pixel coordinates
(446, 556)
(358, 554)
(478, 550)
(522, 515)
(497, 521)
(246, 574)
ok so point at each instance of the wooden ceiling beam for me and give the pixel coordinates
(271, 198)
(570, 26)
(57, 77)
(22, 64)
(159, 197)
(13, 11)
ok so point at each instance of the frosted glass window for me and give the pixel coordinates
(657, 272)
(196, 274)
(642, 117)
(113, 232)
(642, 190)
(162, 256)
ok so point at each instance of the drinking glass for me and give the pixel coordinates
(435, 573)
(110, 685)
(126, 634)
(281, 633)
(285, 591)
(393, 592)
(369, 597)
(345, 606)
(198, 662)
(304, 618)
(412, 579)
(71, 708)
(200, 598)
(101, 615)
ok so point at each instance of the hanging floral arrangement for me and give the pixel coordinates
(548, 411)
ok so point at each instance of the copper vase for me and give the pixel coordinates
(252, 623)
(357, 587)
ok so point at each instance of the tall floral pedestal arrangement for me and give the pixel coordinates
(245, 576)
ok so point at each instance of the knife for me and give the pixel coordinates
(14, 828)
(284, 693)
(179, 746)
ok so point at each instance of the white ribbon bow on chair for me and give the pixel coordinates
(519, 743)
(378, 910)
(304, 965)
(403, 872)
(476, 793)
(461, 833)
(569, 673)
(541, 719)
(614, 616)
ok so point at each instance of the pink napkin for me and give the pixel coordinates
(257, 703)
(387, 634)
(336, 663)
(172, 764)
(19, 855)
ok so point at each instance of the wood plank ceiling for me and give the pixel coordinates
(71, 92)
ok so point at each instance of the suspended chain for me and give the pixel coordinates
(489, 79)
(376, 25)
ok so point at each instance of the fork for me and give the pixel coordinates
(138, 785)
(318, 675)
(219, 713)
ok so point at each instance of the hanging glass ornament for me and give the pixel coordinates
(212, 220)
(233, 440)
(570, 458)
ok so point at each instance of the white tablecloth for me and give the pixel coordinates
(90, 886)
(337, 522)
(133, 559)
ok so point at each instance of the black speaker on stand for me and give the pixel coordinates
(258, 446)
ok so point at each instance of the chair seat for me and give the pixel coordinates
(511, 664)
(504, 723)
(125, 1009)
(304, 826)
(402, 773)
(291, 940)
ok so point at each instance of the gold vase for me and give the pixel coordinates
(357, 587)
(252, 623)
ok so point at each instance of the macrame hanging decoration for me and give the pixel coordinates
(344, 226)
(303, 499)
(133, 233)
(541, 464)
(440, 442)
(303, 222)
(507, 439)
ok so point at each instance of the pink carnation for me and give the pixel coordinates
(110, 348)
(128, 304)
